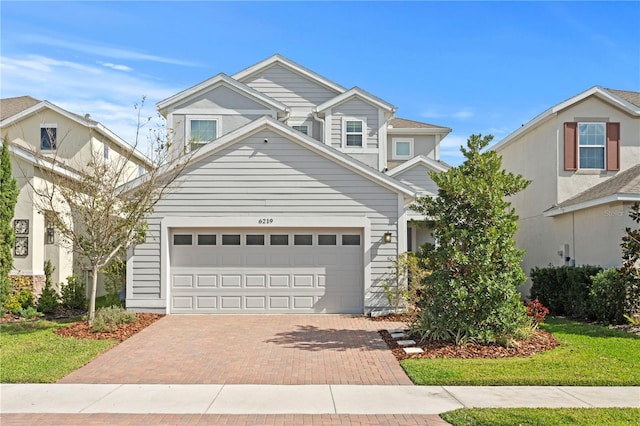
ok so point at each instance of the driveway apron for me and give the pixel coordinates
(250, 349)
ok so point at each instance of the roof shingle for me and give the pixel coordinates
(12, 106)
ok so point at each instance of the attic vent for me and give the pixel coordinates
(87, 116)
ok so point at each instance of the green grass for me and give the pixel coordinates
(31, 353)
(543, 416)
(588, 355)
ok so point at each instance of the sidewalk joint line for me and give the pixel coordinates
(560, 388)
(444, 388)
(100, 399)
(214, 399)
(333, 400)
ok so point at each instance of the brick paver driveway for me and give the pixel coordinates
(250, 349)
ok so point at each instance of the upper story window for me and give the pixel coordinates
(592, 146)
(353, 133)
(402, 148)
(202, 131)
(48, 137)
(303, 128)
(105, 152)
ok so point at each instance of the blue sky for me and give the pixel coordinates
(477, 67)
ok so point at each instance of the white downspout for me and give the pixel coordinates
(321, 121)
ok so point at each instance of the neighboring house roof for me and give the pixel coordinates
(625, 186)
(217, 80)
(24, 106)
(356, 92)
(12, 106)
(397, 123)
(266, 122)
(627, 101)
(288, 63)
(434, 165)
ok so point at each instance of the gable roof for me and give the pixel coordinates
(13, 106)
(217, 80)
(356, 92)
(24, 106)
(403, 126)
(625, 186)
(627, 101)
(293, 66)
(427, 162)
(269, 123)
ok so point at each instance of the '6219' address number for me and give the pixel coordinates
(265, 221)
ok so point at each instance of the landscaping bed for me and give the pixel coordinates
(82, 330)
(541, 341)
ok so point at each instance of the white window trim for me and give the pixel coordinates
(603, 147)
(344, 133)
(302, 123)
(189, 118)
(49, 126)
(394, 154)
(106, 152)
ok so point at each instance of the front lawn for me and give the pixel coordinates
(31, 353)
(588, 355)
(543, 416)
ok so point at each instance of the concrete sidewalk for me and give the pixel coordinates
(297, 399)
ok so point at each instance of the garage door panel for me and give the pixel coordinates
(231, 281)
(279, 281)
(256, 281)
(183, 302)
(207, 302)
(183, 281)
(206, 281)
(303, 302)
(231, 259)
(279, 302)
(230, 302)
(255, 260)
(300, 280)
(255, 302)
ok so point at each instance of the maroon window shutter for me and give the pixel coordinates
(613, 146)
(571, 146)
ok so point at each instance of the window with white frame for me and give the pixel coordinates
(302, 128)
(105, 152)
(402, 148)
(48, 137)
(202, 131)
(353, 133)
(591, 145)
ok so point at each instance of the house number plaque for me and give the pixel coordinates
(265, 221)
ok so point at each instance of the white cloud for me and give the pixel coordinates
(107, 94)
(93, 48)
(116, 66)
(450, 149)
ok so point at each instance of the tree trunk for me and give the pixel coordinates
(92, 295)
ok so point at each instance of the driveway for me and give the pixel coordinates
(250, 349)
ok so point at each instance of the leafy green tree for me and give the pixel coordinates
(471, 294)
(8, 199)
(631, 263)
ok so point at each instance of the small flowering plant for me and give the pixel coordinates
(537, 311)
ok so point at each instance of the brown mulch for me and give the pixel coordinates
(82, 330)
(541, 341)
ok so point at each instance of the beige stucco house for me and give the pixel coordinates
(583, 158)
(44, 139)
(295, 200)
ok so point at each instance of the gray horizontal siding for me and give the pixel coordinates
(253, 178)
(221, 97)
(418, 178)
(288, 87)
(355, 108)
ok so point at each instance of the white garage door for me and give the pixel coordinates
(279, 271)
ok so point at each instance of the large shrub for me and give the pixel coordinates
(72, 294)
(607, 297)
(49, 298)
(472, 292)
(8, 199)
(631, 263)
(564, 289)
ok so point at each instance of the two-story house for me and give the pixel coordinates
(295, 198)
(47, 141)
(583, 157)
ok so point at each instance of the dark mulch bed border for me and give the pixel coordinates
(82, 330)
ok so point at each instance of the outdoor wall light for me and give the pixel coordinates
(387, 237)
(49, 235)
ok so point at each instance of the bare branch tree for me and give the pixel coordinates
(99, 207)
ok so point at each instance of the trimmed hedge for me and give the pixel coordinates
(581, 292)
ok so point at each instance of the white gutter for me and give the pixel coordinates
(321, 121)
(557, 211)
